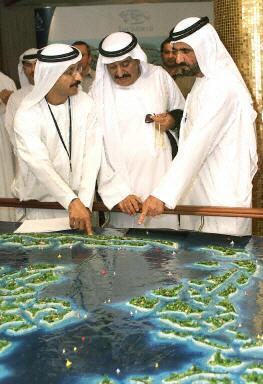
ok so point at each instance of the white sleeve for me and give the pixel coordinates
(111, 185)
(32, 150)
(6, 83)
(91, 162)
(11, 108)
(207, 131)
(12, 86)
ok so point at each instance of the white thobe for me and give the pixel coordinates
(6, 155)
(11, 108)
(135, 150)
(216, 160)
(44, 169)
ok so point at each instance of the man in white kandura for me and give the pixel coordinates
(7, 87)
(217, 155)
(26, 69)
(57, 140)
(126, 89)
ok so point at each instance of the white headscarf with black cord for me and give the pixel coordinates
(52, 62)
(29, 56)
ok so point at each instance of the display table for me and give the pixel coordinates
(153, 307)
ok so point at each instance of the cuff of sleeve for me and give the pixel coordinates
(113, 191)
(169, 203)
(111, 201)
(88, 202)
(67, 200)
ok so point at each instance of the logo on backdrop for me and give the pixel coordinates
(39, 22)
(135, 20)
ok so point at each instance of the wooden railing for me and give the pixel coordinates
(256, 213)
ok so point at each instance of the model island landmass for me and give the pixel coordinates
(254, 374)
(225, 251)
(23, 310)
(196, 373)
(143, 302)
(60, 240)
(168, 292)
(199, 300)
(141, 380)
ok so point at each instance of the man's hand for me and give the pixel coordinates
(4, 95)
(151, 207)
(165, 120)
(131, 205)
(79, 216)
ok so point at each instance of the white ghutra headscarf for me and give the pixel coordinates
(52, 62)
(29, 56)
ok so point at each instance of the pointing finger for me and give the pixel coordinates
(88, 227)
(143, 214)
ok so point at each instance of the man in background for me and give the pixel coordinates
(185, 82)
(7, 87)
(88, 74)
(26, 69)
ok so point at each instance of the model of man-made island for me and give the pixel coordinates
(23, 309)
(254, 374)
(189, 315)
(64, 240)
(168, 292)
(226, 251)
(197, 375)
(208, 263)
(4, 345)
(218, 360)
(201, 314)
(143, 302)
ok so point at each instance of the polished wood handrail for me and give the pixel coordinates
(194, 210)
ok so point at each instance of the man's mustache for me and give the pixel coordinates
(181, 65)
(76, 84)
(125, 75)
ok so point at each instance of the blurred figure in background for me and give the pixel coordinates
(7, 87)
(168, 56)
(88, 74)
(26, 69)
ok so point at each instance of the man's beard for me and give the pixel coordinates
(169, 63)
(184, 69)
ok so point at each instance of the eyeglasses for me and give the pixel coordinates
(71, 71)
